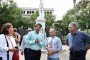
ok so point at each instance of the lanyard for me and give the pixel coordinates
(7, 46)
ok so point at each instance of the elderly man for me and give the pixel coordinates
(53, 45)
(78, 42)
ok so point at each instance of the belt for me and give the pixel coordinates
(32, 49)
(78, 51)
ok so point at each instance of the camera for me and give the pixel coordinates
(16, 47)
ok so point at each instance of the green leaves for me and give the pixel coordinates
(82, 14)
(10, 13)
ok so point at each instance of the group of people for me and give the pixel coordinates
(33, 41)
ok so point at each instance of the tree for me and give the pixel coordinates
(69, 17)
(82, 14)
(49, 22)
(28, 22)
(32, 18)
(10, 13)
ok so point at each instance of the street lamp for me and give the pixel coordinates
(0, 1)
(87, 27)
(74, 2)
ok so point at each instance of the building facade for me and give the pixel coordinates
(27, 12)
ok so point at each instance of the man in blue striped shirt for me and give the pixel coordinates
(78, 42)
(34, 41)
(53, 45)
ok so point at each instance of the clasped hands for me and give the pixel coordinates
(50, 52)
(37, 40)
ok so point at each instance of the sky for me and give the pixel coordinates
(60, 6)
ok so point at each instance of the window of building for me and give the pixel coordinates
(47, 13)
(32, 12)
(50, 13)
(24, 12)
(27, 12)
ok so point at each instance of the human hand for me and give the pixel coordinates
(87, 50)
(21, 52)
(13, 49)
(37, 40)
(49, 52)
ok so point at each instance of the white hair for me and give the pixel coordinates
(52, 30)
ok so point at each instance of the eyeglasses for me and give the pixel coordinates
(39, 27)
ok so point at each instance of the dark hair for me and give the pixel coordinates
(34, 25)
(15, 30)
(38, 24)
(5, 27)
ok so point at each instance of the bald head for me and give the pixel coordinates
(52, 32)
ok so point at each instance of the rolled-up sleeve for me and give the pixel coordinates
(66, 40)
(59, 43)
(87, 38)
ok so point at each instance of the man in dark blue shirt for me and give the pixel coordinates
(78, 42)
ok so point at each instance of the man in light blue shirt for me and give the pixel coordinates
(53, 45)
(34, 41)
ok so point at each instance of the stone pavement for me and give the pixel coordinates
(64, 55)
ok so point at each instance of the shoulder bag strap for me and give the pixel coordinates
(7, 46)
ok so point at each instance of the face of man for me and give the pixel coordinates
(52, 33)
(37, 28)
(71, 28)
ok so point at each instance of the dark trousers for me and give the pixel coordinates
(77, 55)
(32, 54)
(0, 58)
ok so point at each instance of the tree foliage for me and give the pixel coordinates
(10, 13)
(49, 22)
(82, 14)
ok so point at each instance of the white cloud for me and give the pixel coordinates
(60, 6)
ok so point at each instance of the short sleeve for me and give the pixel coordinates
(86, 38)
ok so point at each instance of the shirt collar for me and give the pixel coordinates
(35, 32)
(53, 37)
(74, 33)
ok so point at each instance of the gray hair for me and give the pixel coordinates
(52, 29)
(74, 24)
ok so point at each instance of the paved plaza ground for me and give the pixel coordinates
(64, 55)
